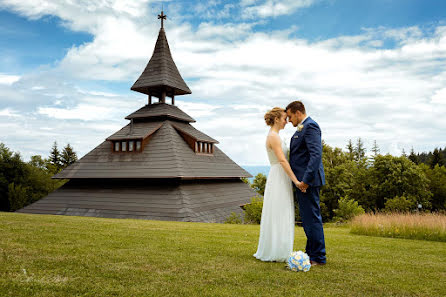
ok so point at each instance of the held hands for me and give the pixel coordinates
(302, 186)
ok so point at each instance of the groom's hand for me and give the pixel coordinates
(303, 187)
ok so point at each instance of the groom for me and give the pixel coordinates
(306, 163)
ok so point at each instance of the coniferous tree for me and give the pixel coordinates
(55, 158)
(350, 149)
(375, 149)
(436, 158)
(413, 157)
(68, 156)
(403, 153)
(359, 151)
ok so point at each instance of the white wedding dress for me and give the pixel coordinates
(277, 223)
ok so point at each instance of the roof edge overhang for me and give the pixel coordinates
(158, 177)
(194, 137)
(160, 117)
(156, 90)
(135, 137)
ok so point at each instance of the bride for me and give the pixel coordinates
(277, 222)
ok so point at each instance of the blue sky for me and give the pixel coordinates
(369, 69)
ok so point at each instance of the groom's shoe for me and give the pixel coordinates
(314, 263)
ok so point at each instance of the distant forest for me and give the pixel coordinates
(380, 182)
(437, 156)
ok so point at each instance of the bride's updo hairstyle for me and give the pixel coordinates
(272, 115)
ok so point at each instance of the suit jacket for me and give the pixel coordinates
(306, 154)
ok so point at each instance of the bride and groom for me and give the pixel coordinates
(303, 172)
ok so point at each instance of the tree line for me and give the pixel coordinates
(357, 182)
(22, 183)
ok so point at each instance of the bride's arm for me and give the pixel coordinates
(274, 142)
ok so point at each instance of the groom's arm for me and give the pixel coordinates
(314, 145)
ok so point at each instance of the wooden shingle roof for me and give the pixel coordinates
(161, 73)
(166, 155)
(160, 111)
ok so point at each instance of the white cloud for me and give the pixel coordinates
(273, 8)
(351, 85)
(6, 79)
(439, 97)
(7, 112)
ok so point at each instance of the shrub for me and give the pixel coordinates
(347, 209)
(18, 196)
(253, 210)
(400, 204)
(234, 218)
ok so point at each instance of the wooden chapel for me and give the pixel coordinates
(158, 167)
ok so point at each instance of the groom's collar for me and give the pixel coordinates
(303, 120)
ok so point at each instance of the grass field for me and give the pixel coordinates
(76, 256)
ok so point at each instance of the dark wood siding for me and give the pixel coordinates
(203, 201)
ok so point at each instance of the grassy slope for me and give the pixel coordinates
(69, 256)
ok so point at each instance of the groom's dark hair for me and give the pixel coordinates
(296, 106)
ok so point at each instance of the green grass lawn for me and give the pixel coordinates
(77, 256)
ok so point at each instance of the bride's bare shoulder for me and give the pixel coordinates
(272, 139)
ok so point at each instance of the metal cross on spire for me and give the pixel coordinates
(162, 16)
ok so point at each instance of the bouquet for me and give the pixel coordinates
(299, 261)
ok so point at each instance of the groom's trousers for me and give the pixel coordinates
(310, 212)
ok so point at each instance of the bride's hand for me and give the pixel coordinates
(299, 185)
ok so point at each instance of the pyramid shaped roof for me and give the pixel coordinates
(166, 155)
(161, 73)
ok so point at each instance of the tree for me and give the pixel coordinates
(436, 158)
(12, 170)
(258, 184)
(375, 149)
(392, 177)
(350, 149)
(359, 151)
(55, 158)
(68, 156)
(437, 185)
(403, 153)
(338, 168)
(413, 157)
(38, 162)
(23, 183)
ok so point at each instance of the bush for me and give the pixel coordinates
(400, 204)
(234, 218)
(347, 209)
(253, 210)
(18, 196)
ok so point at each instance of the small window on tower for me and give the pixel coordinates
(131, 142)
(116, 146)
(138, 145)
(124, 146)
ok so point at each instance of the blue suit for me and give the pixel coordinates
(306, 163)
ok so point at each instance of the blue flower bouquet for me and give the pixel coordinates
(299, 261)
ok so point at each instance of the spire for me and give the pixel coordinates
(161, 77)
